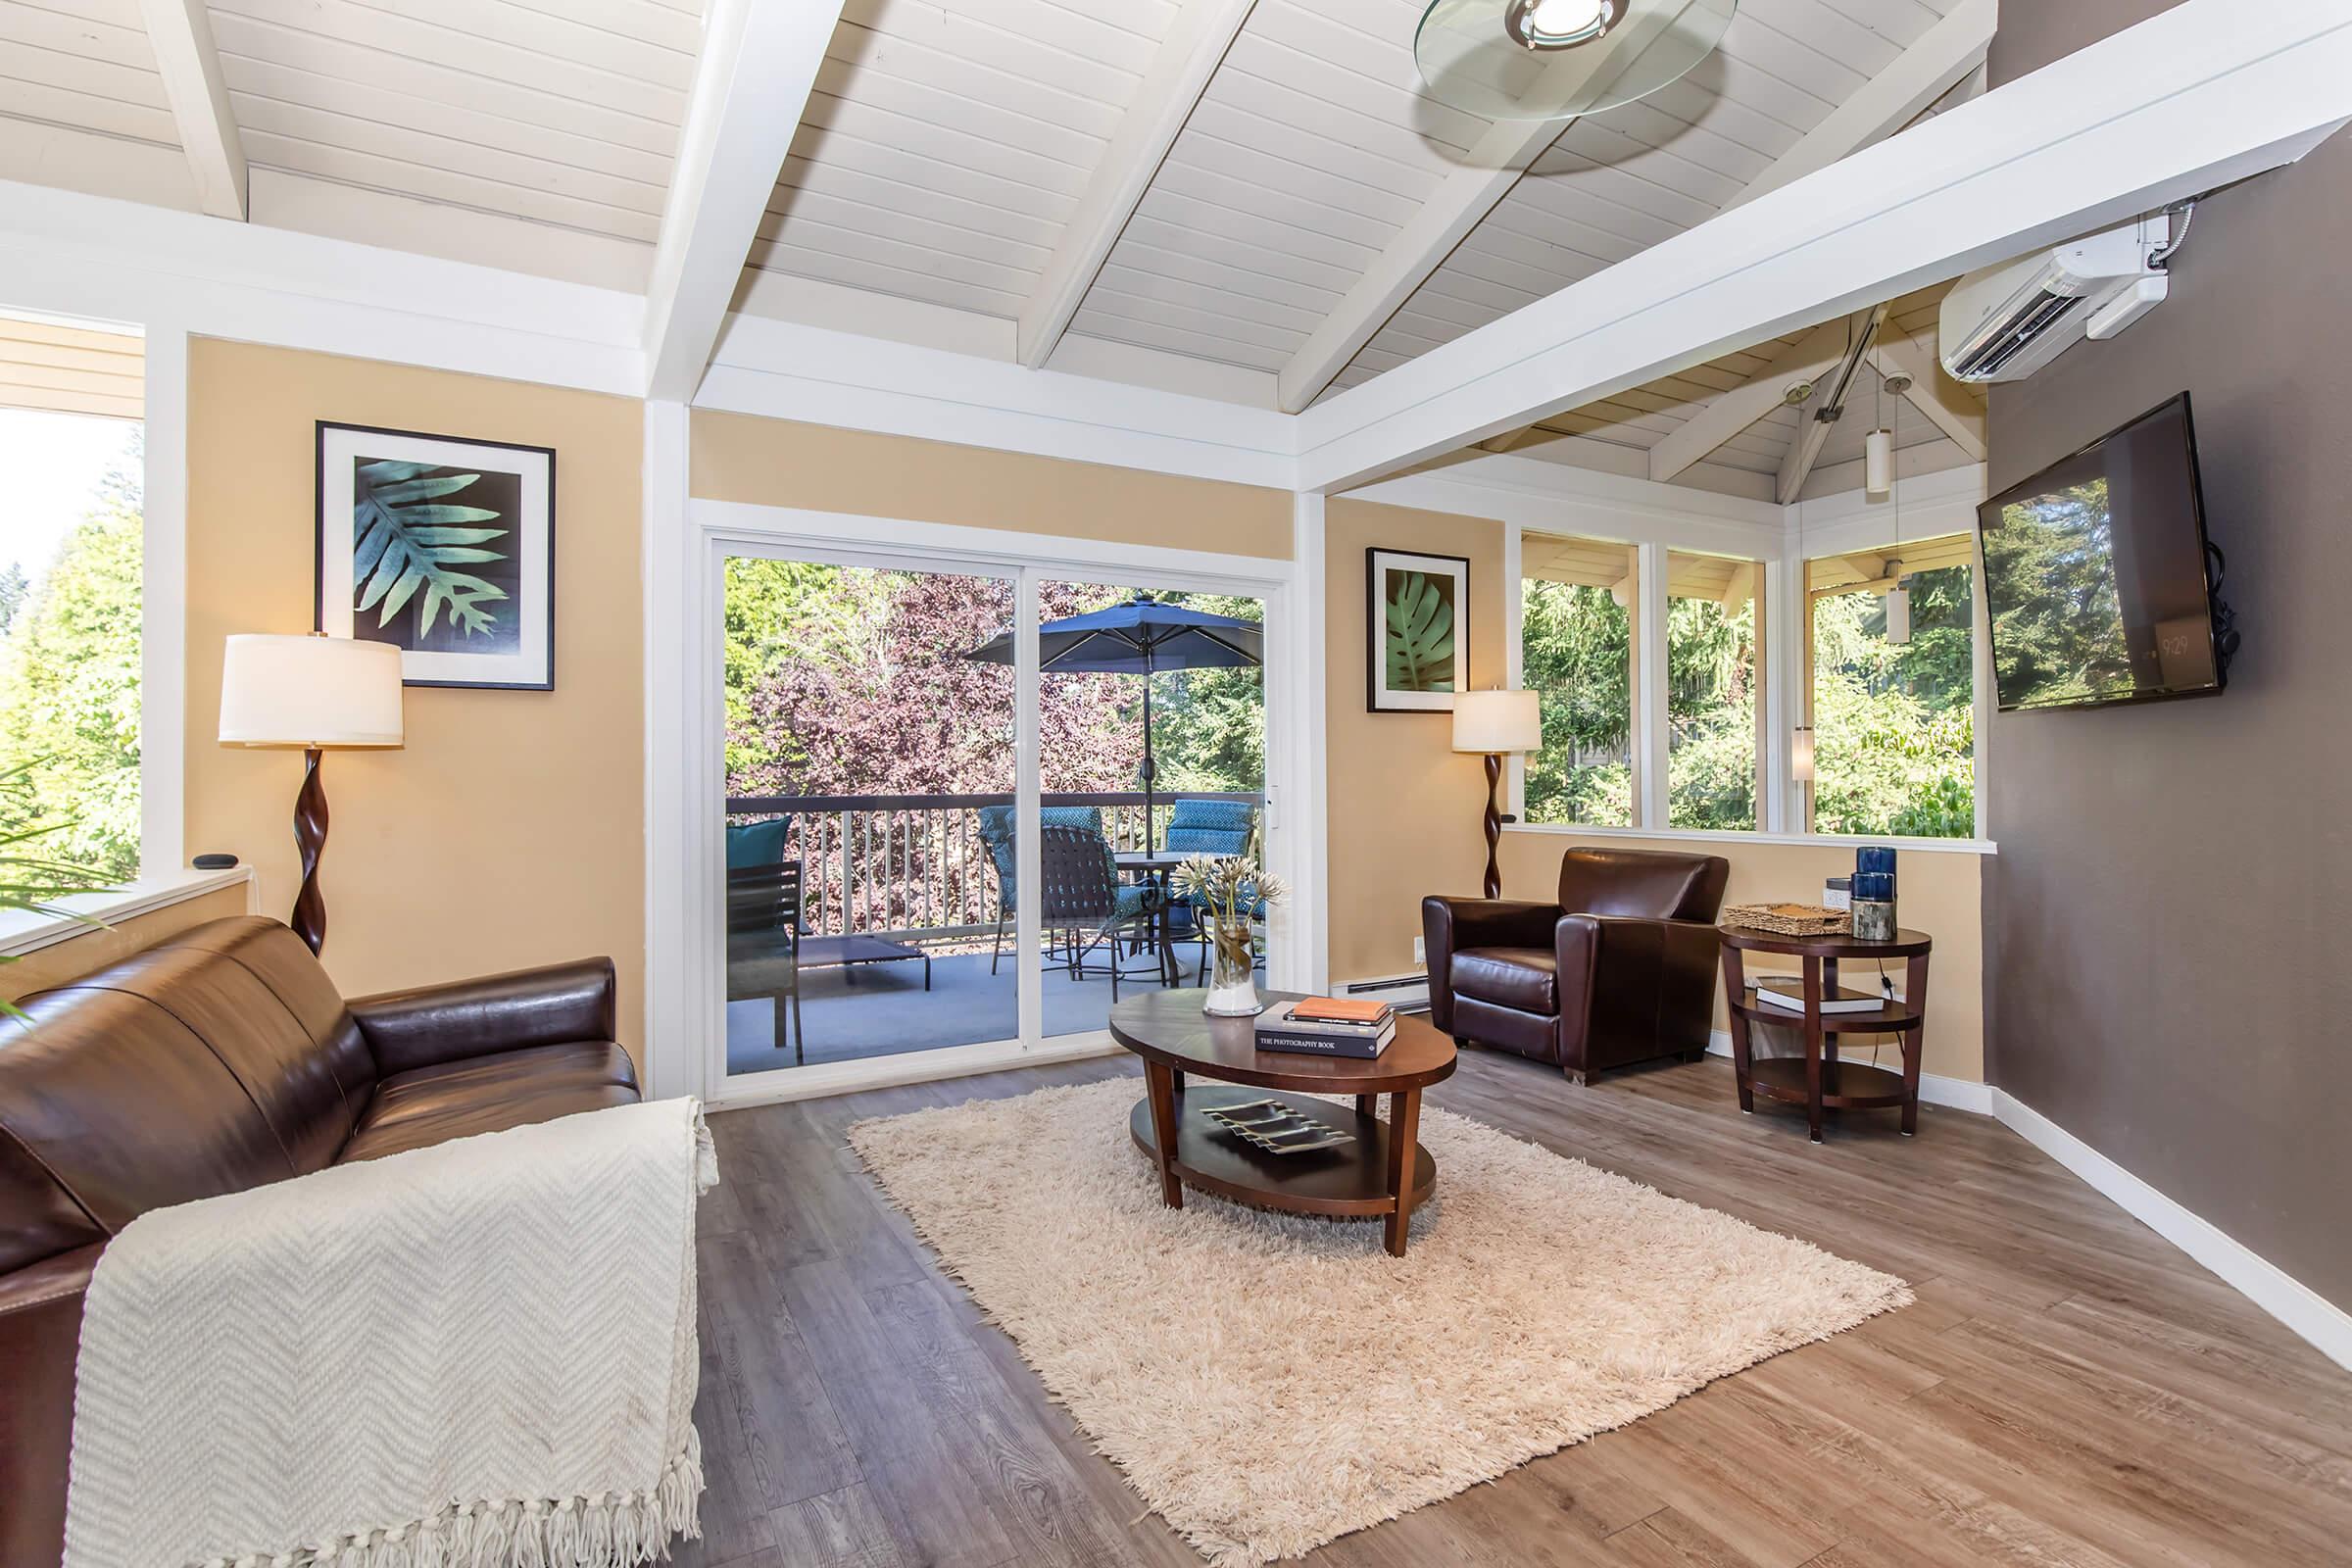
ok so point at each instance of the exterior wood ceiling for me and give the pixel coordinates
(61, 368)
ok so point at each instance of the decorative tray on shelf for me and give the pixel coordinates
(1276, 1128)
(1790, 919)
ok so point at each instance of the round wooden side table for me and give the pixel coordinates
(1819, 1080)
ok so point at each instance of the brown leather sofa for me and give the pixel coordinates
(222, 1059)
(1620, 970)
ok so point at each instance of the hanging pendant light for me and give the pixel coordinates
(1898, 597)
(1556, 59)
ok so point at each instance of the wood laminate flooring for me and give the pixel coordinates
(2069, 1390)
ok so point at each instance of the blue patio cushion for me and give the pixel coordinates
(1211, 827)
(757, 843)
(995, 831)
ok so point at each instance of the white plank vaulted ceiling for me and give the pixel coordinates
(947, 150)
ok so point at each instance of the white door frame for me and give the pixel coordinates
(687, 969)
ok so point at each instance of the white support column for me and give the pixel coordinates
(164, 604)
(678, 972)
(1297, 784)
(1787, 651)
(1027, 860)
(1514, 649)
(1780, 695)
(1651, 730)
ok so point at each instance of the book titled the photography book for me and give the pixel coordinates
(1322, 1027)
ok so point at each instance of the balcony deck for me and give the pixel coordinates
(916, 871)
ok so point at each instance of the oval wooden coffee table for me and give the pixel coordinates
(1367, 1177)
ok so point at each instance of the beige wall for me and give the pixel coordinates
(1403, 809)
(777, 462)
(510, 830)
(78, 955)
(1940, 894)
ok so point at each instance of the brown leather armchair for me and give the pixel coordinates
(1621, 969)
(221, 1059)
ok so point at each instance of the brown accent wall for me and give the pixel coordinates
(741, 457)
(78, 955)
(1403, 806)
(510, 830)
(2165, 975)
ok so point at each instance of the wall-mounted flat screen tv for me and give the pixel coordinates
(2095, 574)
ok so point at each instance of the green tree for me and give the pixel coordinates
(1895, 725)
(69, 690)
(1576, 649)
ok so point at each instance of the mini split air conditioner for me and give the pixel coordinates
(2002, 324)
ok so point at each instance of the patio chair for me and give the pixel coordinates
(763, 943)
(1213, 827)
(995, 831)
(1083, 896)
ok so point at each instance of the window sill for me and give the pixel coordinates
(24, 931)
(1688, 835)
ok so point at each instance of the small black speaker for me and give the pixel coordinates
(214, 862)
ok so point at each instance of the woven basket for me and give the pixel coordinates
(1790, 919)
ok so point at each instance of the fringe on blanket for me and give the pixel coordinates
(604, 1530)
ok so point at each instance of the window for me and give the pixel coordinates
(1893, 722)
(71, 551)
(1711, 623)
(1577, 619)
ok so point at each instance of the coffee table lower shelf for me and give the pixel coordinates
(1351, 1180)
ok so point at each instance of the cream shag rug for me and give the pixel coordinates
(1271, 1382)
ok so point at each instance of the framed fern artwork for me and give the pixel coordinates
(443, 547)
(1419, 620)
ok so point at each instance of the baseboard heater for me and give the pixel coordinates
(1406, 993)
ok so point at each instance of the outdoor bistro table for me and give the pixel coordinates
(1157, 864)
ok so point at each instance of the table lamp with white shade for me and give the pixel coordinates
(1496, 724)
(314, 692)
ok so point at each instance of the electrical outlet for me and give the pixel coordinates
(1420, 953)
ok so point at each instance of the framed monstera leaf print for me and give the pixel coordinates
(1419, 622)
(444, 548)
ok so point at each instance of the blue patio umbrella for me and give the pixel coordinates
(1141, 637)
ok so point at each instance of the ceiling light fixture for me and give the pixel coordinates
(1559, 23)
(1557, 58)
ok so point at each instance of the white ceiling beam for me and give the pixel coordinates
(1459, 204)
(2192, 98)
(1726, 414)
(181, 31)
(1933, 393)
(1943, 57)
(1180, 71)
(750, 83)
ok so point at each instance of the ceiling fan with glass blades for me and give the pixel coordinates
(1556, 59)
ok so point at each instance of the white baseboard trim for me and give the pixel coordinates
(2301, 1308)
(1957, 1093)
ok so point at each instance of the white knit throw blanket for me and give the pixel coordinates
(477, 1355)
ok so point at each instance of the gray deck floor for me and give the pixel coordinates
(882, 1009)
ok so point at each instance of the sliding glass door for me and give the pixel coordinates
(957, 791)
(870, 793)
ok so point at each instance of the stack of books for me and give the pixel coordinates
(1775, 991)
(1328, 1026)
